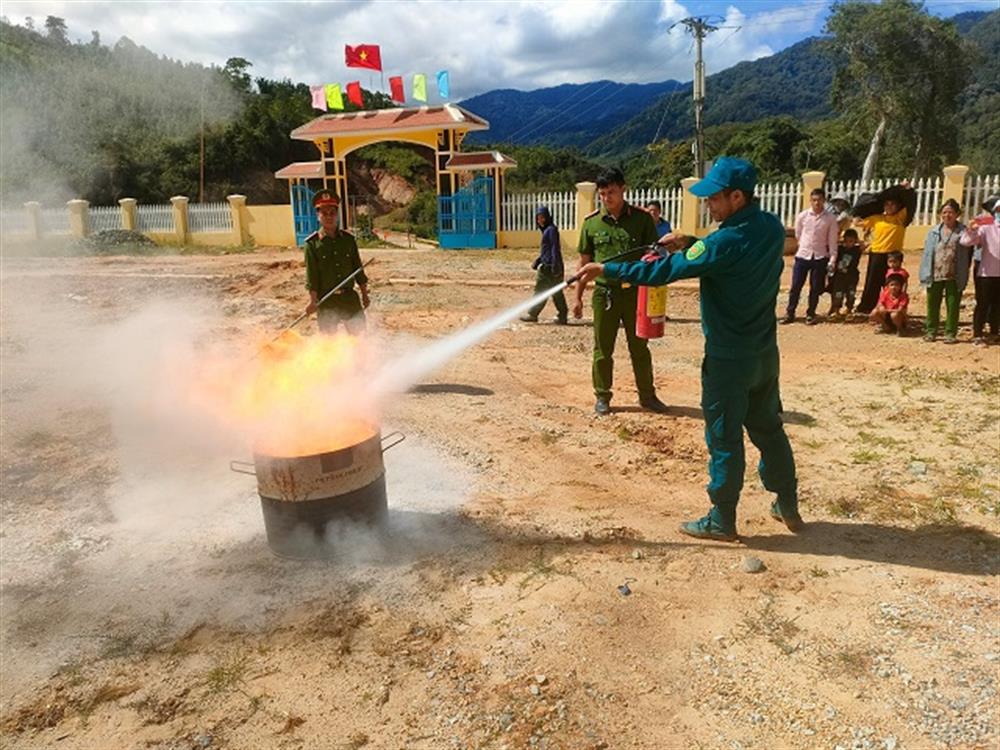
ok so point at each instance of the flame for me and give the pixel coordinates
(300, 396)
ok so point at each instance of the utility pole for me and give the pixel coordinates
(201, 160)
(699, 28)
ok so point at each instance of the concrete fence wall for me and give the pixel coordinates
(171, 224)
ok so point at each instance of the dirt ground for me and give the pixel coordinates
(494, 616)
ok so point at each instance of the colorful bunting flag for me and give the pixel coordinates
(354, 93)
(363, 56)
(334, 100)
(420, 87)
(318, 97)
(443, 88)
(396, 85)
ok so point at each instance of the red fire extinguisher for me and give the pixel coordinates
(651, 310)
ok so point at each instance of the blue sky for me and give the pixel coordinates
(483, 44)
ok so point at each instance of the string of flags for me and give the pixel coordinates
(331, 96)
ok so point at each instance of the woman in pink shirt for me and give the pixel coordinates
(984, 231)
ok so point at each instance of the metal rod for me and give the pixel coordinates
(654, 247)
(325, 297)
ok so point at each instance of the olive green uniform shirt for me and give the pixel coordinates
(329, 260)
(602, 236)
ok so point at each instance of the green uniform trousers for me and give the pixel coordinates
(545, 279)
(952, 298)
(342, 308)
(615, 307)
(738, 393)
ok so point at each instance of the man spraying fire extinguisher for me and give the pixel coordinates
(331, 256)
(612, 230)
(739, 268)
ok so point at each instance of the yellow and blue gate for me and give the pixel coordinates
(468, 218)
(306, 221)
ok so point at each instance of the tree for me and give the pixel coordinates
(55, 29)
(902, 69)
(235, 70)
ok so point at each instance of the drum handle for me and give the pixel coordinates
(399, 435)
(243, 467)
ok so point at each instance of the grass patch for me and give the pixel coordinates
(773, 627)
(851, 662)
(865, 456)
(227, 674)
(814, 444)
(624, 433)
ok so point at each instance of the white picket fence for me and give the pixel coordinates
(14, 221)
(54, 220)
(154, 218)
(928, 189)
(977, 190)
(670, 201)
(104, 218)
(210, 217)
(518, 210)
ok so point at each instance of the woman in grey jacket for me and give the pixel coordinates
(944, 271)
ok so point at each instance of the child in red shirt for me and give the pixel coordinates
(891, 312)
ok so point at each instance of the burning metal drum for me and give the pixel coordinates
(301, 495)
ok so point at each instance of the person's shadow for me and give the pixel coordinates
(968, 550)
(695, 412)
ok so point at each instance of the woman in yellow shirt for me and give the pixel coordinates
(887, 230)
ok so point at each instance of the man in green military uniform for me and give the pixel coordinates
(739, 267)
(613, 229)
(331, 256)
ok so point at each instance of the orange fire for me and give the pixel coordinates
(301, 396)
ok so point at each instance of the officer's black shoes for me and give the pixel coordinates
(791, 519)
(602, 406)
(787, 319)
(653, 404)
(708, 528)
(811, 320)
(562, 320)
(527, 318)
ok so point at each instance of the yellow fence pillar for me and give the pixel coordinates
(34, 211)
(586, 201)
(79, 217)
(129, 215)
(180, 211)
(241, 227)
(954, 187)
(810, 181)
(690, 208)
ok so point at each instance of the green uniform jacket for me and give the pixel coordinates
(603, 237)
(329, 260)
(739, 267)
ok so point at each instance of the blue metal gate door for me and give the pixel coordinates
(468, 218)
(303, 212)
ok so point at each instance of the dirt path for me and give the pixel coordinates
(492, 617)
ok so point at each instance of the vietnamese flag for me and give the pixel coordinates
(363, 56)
(354, 93)
(396, 86)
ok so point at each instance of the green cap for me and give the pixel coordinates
(727, 172)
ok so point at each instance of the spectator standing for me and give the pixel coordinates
(817, 231)
(655, 209)
(548, 268)
(844, 273)
(887, 231)
(944, 271)
(984, 230)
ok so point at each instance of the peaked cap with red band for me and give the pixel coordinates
(325, 198)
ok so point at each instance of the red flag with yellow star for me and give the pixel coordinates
(363, 56)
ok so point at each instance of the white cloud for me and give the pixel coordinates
(484, 45)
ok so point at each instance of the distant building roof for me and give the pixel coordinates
(306, 169)
(398, 120)
(479, 160)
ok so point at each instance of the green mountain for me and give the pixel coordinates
(566, 115)
(795, 82)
